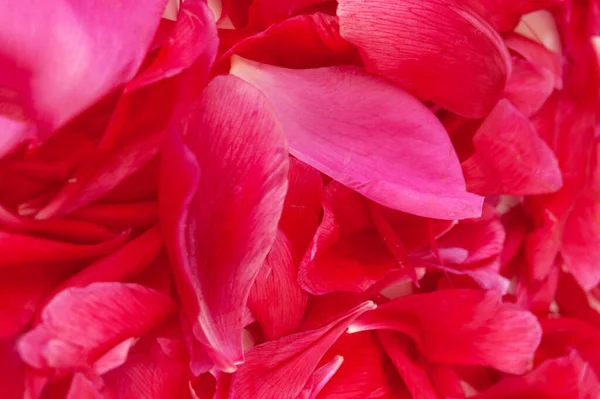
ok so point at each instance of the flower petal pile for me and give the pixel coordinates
(300, 199)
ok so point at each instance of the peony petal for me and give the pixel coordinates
(556, 378)
(416, 171)
(510, 157)
(281, 368)
(406, 359)
(504, 15)
(537, 55)
(221, 218)
(12, 370)
(486, 332)
(304, 41)
(80, 324)
(95, 45)
(276, 299)
(581, 241)
(121, 265)
(140, 215)
(265, 12)
(21, 250)
(320, 378)
(529, 86)
(155, 368)
(364, 372)
(134, 135)
(82, 388)
(413, 43)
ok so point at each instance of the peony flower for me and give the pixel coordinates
(300, 199)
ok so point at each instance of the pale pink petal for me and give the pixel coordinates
(414, 44)
(222, 194)
(349, 128)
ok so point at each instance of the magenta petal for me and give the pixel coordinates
(276, 299)
(529, 86)
(77, 53)
(280, 369)
(80, 324)
(346, 124)
(414, 42)
(82, 388)
(222, 194)
(510, 157)
(486, 332)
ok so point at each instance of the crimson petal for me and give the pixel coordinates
(222, 194)
(413, 43)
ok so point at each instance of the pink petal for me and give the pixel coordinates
(486, 332)
(135, 135)
(80, 324)
(537, 55)
(504, 15)
(276, 299)
(304, 41)
(281, 368)
(92, 44)
(413, 43)
(416, 171)
(510, 157)
(406, 359)
(222, 195)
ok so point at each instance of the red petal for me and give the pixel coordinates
(302, 207)
(140, 215)
(265, 12)
(23, 250)
(320, 378)
(80, 324)
(305, 41)
(416, 171)
(486, 332)
(276, 299)
(565, 378)
(282, 368)
(529, 86)
(364, 372)
(121, 265)
(12, 369)
(510, 157)
(82, 388)
(93, 45)
(406, 359)
(155, 368)
(413, 43)
(222, 195)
